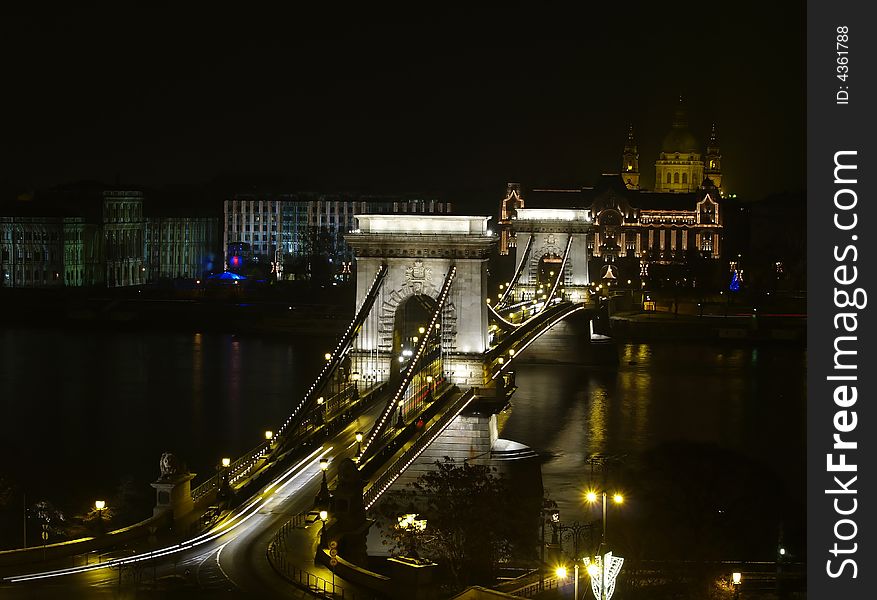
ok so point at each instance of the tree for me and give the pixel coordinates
(473, 521)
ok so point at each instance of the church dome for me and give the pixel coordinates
(679, 139)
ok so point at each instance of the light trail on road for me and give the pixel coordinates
(241, 517)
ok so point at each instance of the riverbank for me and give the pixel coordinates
(645, 326)
(296, 312)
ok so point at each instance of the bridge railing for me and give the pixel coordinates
(431, 432)
(337, 354)
(500, 363)
(241, 468)
(314, 584)
(237, 470)
(520, 331)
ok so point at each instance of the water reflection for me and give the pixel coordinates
(748, 399)
(116, 400)
(127, 397)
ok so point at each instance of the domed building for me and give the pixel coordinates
(680, 165)
(671, 235)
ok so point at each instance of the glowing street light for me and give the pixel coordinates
(100, 505)
(736, 579)
(605, 566)
(226, 463)
(324, 516)
(327, 356)
(422, 330)
(269, 435)
(560, 572)
(323, 498)
(359, 437)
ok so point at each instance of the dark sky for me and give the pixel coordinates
(421, 100)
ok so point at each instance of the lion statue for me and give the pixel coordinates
(169, 465)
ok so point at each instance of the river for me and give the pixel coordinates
(82, 410)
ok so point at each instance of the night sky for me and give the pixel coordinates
(416, 100)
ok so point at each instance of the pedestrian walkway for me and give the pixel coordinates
(291, 553)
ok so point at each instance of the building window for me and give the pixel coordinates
(685, 178)
(676, 177)
(668, 177)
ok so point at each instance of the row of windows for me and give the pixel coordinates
(122, 211)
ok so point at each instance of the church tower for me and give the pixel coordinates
(679, 167)
(630, 162)
(713, 167)
(512, 202)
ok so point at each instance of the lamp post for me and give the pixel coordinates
(323, 497)
(736, 579)
(355, 377)
(100, 505)
(324, 516)
(321, 402)
(576, 581)
(400, 420)
(604, 561)
(269, 437)
(359, 437)
(224, 483)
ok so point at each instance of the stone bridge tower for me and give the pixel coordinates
(419, 251)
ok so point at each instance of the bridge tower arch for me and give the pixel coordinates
(544, 237)
(419, 252)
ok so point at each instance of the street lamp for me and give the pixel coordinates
(223, 485)
(323, 497)
(324, 516)
(358, 445)
(604, 565)
(269, 435)
(100, 505)
(736, 579)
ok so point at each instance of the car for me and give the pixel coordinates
(312, 517)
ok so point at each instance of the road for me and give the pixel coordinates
(229, 560)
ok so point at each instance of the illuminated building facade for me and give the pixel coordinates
(280, 230)
(86, 235)
(123, 237)
(672, 235)
(637, 234)
(507, 208)
(31, 251)
(182, 246)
